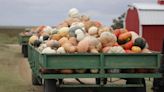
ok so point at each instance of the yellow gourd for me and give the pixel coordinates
(136, 49)
(32, 39)
(63, 31)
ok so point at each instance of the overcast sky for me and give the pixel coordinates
(51, 12)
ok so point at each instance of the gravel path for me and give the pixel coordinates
(15, 70)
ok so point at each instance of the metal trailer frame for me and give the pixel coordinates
(23, 41)
(100, 61)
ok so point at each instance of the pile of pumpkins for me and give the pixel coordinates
(28, 32)
(79, 34)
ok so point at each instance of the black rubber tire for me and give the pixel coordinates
(50, 85)
(105, 81)
(22, 50)
(98, 80)
(158, 85)
(137, 81)
(25, 50)
(60, 81)
(37, 81)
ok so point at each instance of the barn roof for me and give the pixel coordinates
(150, 14)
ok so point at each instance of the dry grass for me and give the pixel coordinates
(9, 36)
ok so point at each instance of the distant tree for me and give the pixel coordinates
(118, 22)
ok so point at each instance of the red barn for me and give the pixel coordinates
(148, 21)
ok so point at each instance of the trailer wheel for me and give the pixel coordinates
(50, 85)
(136, 81)
(25, 50)
(36, 80)
(22, 50)
(105, 81)
(98, 80)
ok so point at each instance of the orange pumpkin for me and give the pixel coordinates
(88, 24)
(67, 46)
(66, 71)
(56, 37)
(63, 40)
(72, 49)
(106, 49)
(83, 46)
(128, 45)
(73, 41)
(49, 43)
(124, 36)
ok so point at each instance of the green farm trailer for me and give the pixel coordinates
(23, 41)
(102, 62)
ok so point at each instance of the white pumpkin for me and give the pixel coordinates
(78, 31)
(73, 29)
(80, 24)
(48, 50)
(42, 46)
(41, 38)
(60, 50)
(47, 29)
(134, 35)
(93, 30)
(108, 39)
(94, 70)
(116, 49)
(79, 34)
(74, 13)
(54, 31)
(94, 43)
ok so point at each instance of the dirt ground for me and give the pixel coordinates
(15, 71)
(25, 73)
